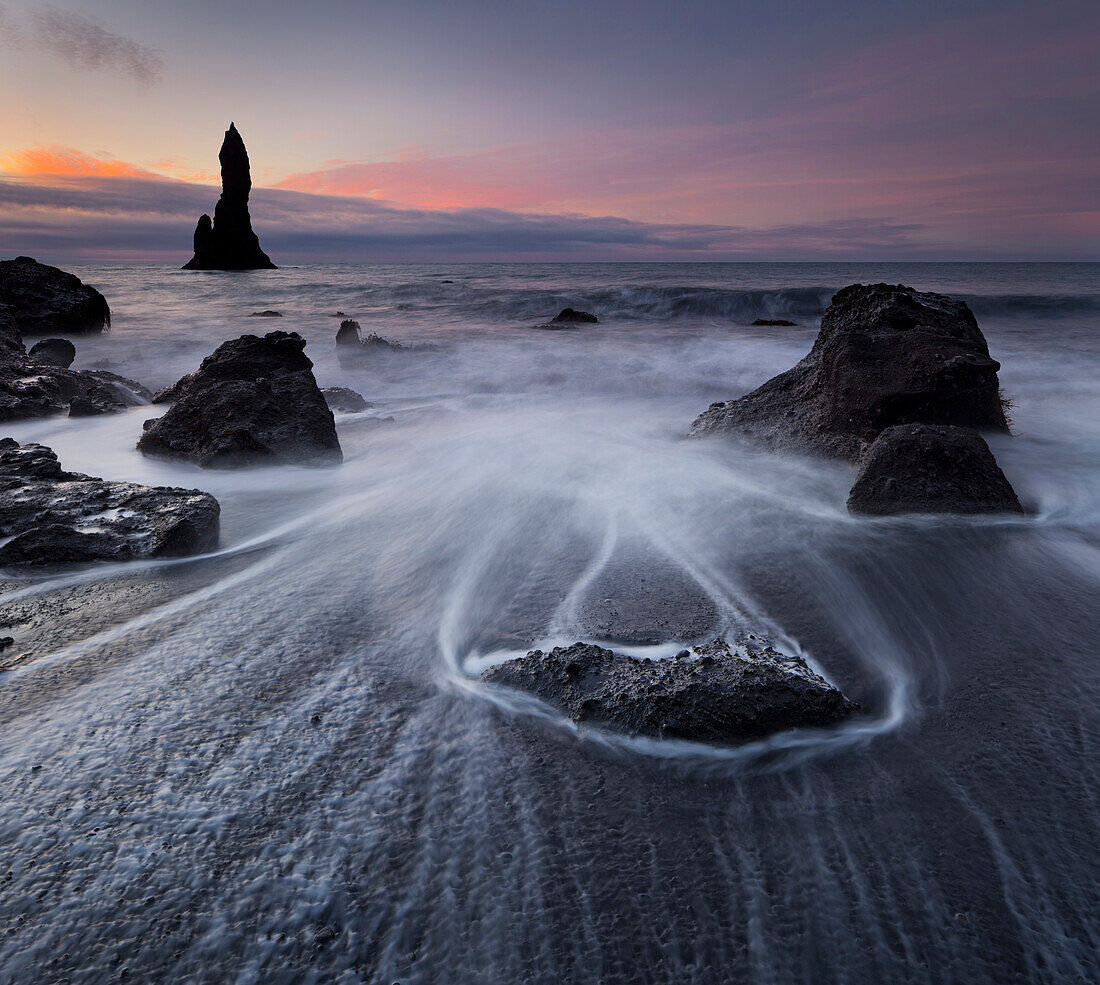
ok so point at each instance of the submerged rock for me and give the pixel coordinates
(44, 300)
(919, 468)
(774, 323)
(228, 243)
(343, 399)
(253, 401)
(885, 355)
(54, 352)
(266, 313)
(349, 342)
(52, 516)
(710, 693)
(570, 318)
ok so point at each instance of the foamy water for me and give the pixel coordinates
(275, 763)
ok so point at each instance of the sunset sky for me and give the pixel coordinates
(567, 130)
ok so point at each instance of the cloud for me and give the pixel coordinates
(81, 41)
(124, 217)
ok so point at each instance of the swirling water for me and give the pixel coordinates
(273, 764)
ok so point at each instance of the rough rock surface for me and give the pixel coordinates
(53, 352)
(349, 343)
(919, 468)
(253, 401)
(343, 399)
(52, 516)
(570, 318)
(710, 693)
(43, 300)
(885, 355)
(228, 243)
(30, 390)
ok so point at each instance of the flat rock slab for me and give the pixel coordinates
(45, 300)
(886, 355)
(50, 516)
(710, 693)
(919, 468)
(253, 401)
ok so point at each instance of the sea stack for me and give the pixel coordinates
(228, 242)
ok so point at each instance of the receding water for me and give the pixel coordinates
(275, 764)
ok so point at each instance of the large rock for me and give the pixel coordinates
(50, 516)
(711, 693)
(228, 243)
(44, 300)
(53, 352)
(885, 355)
(30, 390)
(343, 399)
(254, 401)
(919, 468)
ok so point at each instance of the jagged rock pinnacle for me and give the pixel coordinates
(227, 242)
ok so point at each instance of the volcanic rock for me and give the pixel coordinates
(710, 693)
(254, 401)
(228, 243)
(52, 516)
(885, 355)
(44, 300)
(29, 390)
(349, 344)
(569, 318)
(343, 399)
(919, 468)
(53, 352)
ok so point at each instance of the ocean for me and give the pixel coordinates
(275, 763)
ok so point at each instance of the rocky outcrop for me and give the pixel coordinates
(920, 468)
(50, 516)
(53, 352)
(31, 390)
(254, 401)
(570, 318)
(350, 345)
(885, 355)
(228, 242)
(340, 398)
(43, 300)
(710, 693)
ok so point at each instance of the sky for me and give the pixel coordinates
(437, 130)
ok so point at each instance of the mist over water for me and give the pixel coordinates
(275, 763)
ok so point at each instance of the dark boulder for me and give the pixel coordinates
(710, 693)
(885, 355)
(350, 345)
(50, 516)
(254, 401)
(569, 318)
(53, 352)
(28, 390)
(44, 300)
(266, 313)
(571, 315)
(343, 399)
(228, 243)
(773, 323)
(920, 468)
